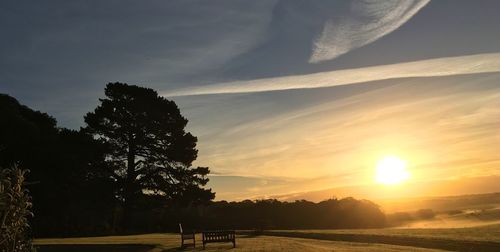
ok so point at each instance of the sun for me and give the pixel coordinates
(391, 170)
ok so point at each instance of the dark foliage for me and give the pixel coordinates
(70, 193)
(268, 214)
(149, 150)
(76, 179)
(15, 209)
(24, 133)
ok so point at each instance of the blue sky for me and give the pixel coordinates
(285, 96)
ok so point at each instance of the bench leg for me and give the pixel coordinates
(234, 243)
(203, 245)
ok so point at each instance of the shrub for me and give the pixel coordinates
(15, 209)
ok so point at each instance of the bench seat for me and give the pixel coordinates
(218, 236)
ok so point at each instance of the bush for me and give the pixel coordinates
(15, 205)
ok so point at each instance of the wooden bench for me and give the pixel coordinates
(189, 236)
(218, 236)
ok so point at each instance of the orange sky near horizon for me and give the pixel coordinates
(446, 128)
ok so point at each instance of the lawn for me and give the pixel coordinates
(486, 238)
(170, 242)
(490, 233)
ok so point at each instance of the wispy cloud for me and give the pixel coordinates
(445, 127)
(478, 63)
(359, 23)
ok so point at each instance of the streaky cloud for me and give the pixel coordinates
(362, 23)
(447, 66)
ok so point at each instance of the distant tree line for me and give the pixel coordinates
(274, 214)
(130, 170)
(259, 215)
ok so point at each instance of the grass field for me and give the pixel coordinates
(490, 233)
(486, 238)
(170, 242)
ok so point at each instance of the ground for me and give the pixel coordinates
(484, 238)
(487, 233)
(171, 242)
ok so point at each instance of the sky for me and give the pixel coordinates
(288, 98)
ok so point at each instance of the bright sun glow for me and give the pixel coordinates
(391, 170)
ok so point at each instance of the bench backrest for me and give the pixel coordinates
(218, 235)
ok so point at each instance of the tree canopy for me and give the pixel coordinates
(66, 178)
(148, 149)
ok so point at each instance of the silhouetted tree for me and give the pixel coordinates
(24, 133)
(148, 148)
(69, 184)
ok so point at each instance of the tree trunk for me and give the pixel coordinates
(129, 187)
